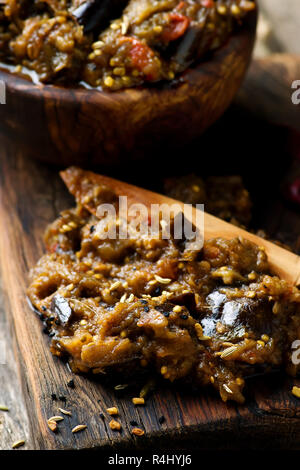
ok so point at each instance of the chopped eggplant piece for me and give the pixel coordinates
(61, 308)
(188, 47)
(95, 14)
(237, 316)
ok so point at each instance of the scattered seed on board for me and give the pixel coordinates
(115, 425)
(56, 418)
(113, 411)
(121, 387)
(3, 408)
(17, 444)
(296, 391)
(147, 388)
(228, 390)
(79, 428)
(65, 412)
(138, 401)
(177, 309)
(52, 425)
(138, 432)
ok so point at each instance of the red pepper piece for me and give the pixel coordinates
(180, 5)
(141, 55)
(176, 28)
(141, 58)
(208, 3)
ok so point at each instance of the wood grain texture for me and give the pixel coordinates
(67, 126)
(31, 196)
(14, 424)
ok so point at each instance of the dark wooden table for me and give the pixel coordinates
(14, 425)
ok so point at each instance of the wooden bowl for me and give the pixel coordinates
(90, 127)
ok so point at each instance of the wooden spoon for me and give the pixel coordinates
(282, 262)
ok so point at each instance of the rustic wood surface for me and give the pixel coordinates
(31, 196)
(68, 126)
(14, 424)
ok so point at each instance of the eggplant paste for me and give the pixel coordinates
(212, 316)
(114, 44)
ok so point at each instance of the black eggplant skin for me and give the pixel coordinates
(61, 309)
(94, 15)
(187, 47)
(239, 315)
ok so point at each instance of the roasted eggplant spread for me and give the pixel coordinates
(211, 316)
(114, 44)
(224, 196)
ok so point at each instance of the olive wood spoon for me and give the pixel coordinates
(283, 263)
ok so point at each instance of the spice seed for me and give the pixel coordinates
(115, 285)
(17, 444)
(56, 418)
(112, 411)
(121, 387)
(115, 425)
(296, 391)
(79, 428)
(52, 425)
(3, 408)
(138, 432)
(227, 352)
(228, 390)
(65, 412)
(138, 401)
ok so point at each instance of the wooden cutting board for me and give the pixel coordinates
(31, 196)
